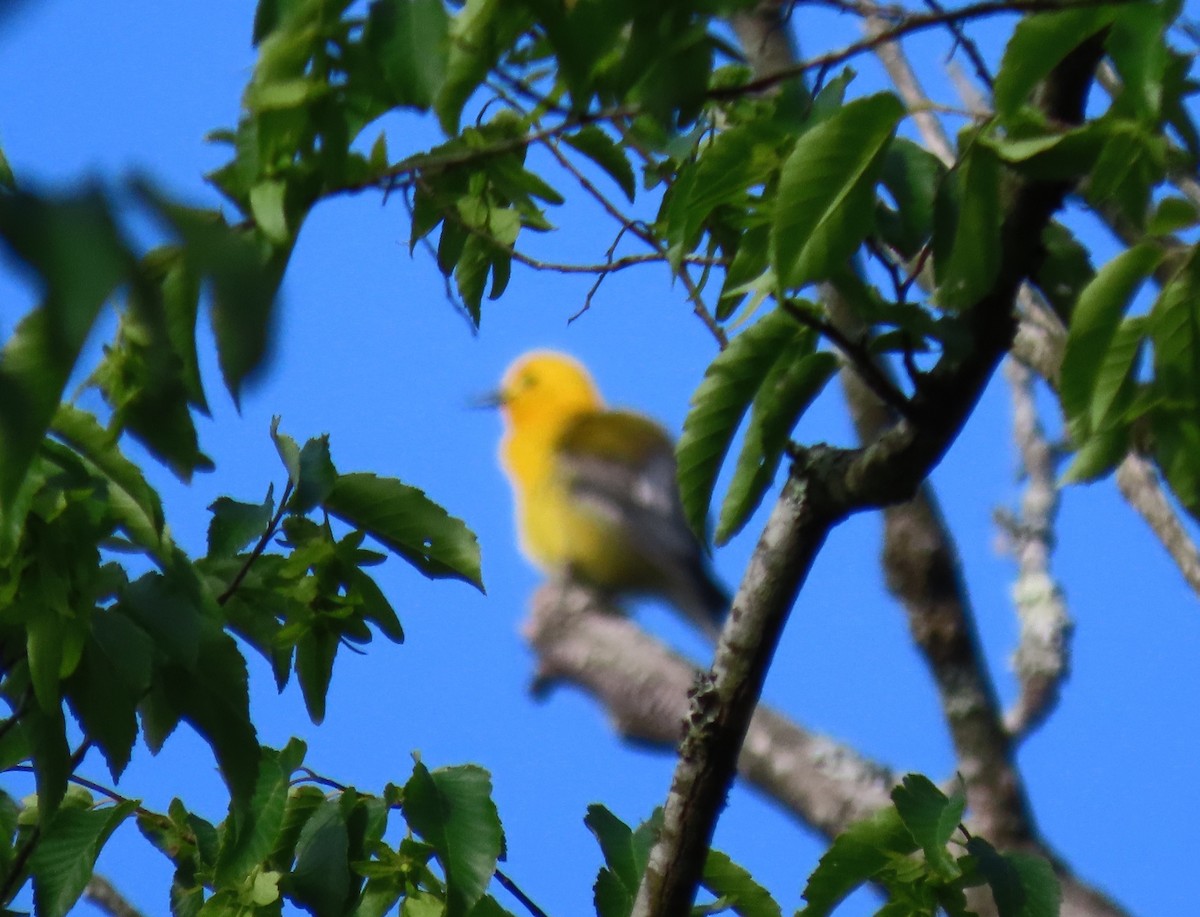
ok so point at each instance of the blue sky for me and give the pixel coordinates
(370, 352)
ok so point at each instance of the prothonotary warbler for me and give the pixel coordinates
(595, 490)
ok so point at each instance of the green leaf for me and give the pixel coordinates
(626, 854)
(315, 653)
(65, 854)
(1131, 162)
(320, 881)
(601, 149)
(856, 856)
(47, 732)
(825, 202)
(113, 674)
(316, 477)
(795, 380)
(302, 802)
(1038, 43)
(1094, 322)
(1137, 47)
(244, 268)
(235, 525)
(250, 836)
(1175, 330)
(736, 161)
(1065, 270)
(1172, 215)
(479, 34)
(966, 240)
(618, 844)
(268, 201)
(407, 522)
(44, 633)
(719, 403)
(1176, 446)
(408, 41)
(736, 888)
(912, 176)
(1116, 381)
(932, 818)
(169, 610)
(1022, 885)
(451, 808)
(79, 257)
(137, 504)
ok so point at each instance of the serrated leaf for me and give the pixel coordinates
(719, 404)
(235, 525)
(794, 382)
(451, 808)
(601, 149)
(64, 856)
(736, 888)
(856, 856)
(111, 678)
(251, 835)
(407, 522)
(824, 205)
(1038, 43)
(932, 818)
(1094, 322)
(321, 881)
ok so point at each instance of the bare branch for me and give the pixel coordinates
(824, 487)
(100, 892)
(581, 640)
(1041, 659)
(1140, 485)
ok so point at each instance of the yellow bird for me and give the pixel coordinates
(595, 490)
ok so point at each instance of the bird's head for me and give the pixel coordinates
(545, 387)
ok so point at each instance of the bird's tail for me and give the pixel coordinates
(702, 599)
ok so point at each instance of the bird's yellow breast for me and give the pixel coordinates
(557, 530)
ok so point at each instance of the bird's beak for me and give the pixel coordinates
(489, 401)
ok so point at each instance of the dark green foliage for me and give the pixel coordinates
(763, 193)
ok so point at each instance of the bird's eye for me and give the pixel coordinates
(529, 380)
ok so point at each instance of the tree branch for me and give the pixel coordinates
(1041, 660)
(582, 640)
(100, 892)
(823, 488)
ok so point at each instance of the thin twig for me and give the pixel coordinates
(969, 47)
(261, 546)
(515, 890)
(859, 357)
